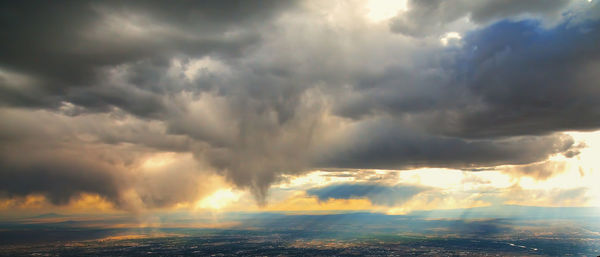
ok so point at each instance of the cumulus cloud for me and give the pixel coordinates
(540, 171)
(546, 197)
(254, 90)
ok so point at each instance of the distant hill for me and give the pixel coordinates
(48, 215)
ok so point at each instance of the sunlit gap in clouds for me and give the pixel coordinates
(219, 199)
(380, 10)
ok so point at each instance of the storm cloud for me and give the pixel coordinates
(434, 17)
(247, 91)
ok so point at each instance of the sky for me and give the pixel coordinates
(308, 106)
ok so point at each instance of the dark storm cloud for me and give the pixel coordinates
(63, 175)
(431, 17)
(60, 178)
(426, 17)
(34, 159)
(494, 9)
(485, 105)
(510, 78)
(387, 146)
(532, 80)
(52, 160)
(258, 89)
(69, 44)
(376, 193)
(81, 57)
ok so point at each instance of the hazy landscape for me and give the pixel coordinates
(347, 234)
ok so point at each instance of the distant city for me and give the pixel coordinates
(345, 234)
